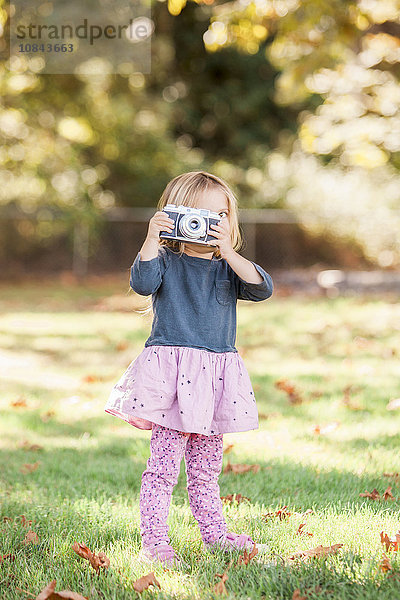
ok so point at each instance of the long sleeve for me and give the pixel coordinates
(146, 275)
(255, 291)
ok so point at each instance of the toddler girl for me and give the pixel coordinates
(189, 384)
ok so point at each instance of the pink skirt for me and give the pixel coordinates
(188, 389)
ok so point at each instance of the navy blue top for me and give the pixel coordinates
(194, 299)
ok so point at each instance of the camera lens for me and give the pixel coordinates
(192, 226)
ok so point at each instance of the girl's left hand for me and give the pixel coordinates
(223, 234)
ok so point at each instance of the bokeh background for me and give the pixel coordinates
(295, 104)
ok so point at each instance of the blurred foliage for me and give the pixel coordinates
(251, 91)
(346, 52)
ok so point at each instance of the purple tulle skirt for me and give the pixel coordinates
(187, 389)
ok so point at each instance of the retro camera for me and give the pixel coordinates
(190, 224)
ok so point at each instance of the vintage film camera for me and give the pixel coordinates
(191, 224)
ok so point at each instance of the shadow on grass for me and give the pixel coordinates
(90, 494)
(111, 466)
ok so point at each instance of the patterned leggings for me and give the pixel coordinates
(203, 458)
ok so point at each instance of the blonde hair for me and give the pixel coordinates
(185, 190)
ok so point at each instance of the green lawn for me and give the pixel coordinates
(62, 349)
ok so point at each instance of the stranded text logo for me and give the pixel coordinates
(84, 31)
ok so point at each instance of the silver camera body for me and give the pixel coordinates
(190, 224)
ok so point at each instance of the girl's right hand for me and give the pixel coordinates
(160, 221)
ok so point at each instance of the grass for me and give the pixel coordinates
(62, 349)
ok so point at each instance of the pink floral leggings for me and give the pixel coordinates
(203, 458)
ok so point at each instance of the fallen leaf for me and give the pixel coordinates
(219, 587)
(239, 468)
(91, 378)
(314, 590)
(122, 346)
(374, 495)
(290, 389)
(19, 403)
(48, 593)
(8, 556)
(25, 522)
(28, 446)
(318, 551)
(385, 565)
(298, 596)
(96, 560)
(301, 532)
(29, 467)
(395, 475)
(144, 582)
(282, 513)
(231, 498)
(388, 493)
(390, 543)
(31, 538)
(246, 557)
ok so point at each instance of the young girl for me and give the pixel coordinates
(189, 384)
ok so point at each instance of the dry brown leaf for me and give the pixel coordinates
(298, 596)
(301, 532)
(122, 346)
(48, 593)
(19, 403)
(31, 538)
(390, 543)
(246, 557)
(29, 467)
(67, 595)
(25, 522)
(144, 582)
(239, 468)
(228, 448)
(314, 590)
(282, 513)
(388, 494)
(96, 560)
(395, 475)
(290, 389)
(82, 550)
(8, 556)
(25, 445)
(318, 551)
(219, 587)
(91, 378)
(393, 404)
(231, 498)
(385, 565)
(374, 495)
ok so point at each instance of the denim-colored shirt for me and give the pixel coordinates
(194, 299)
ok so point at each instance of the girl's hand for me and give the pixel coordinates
(160, 221)
(223, 234)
